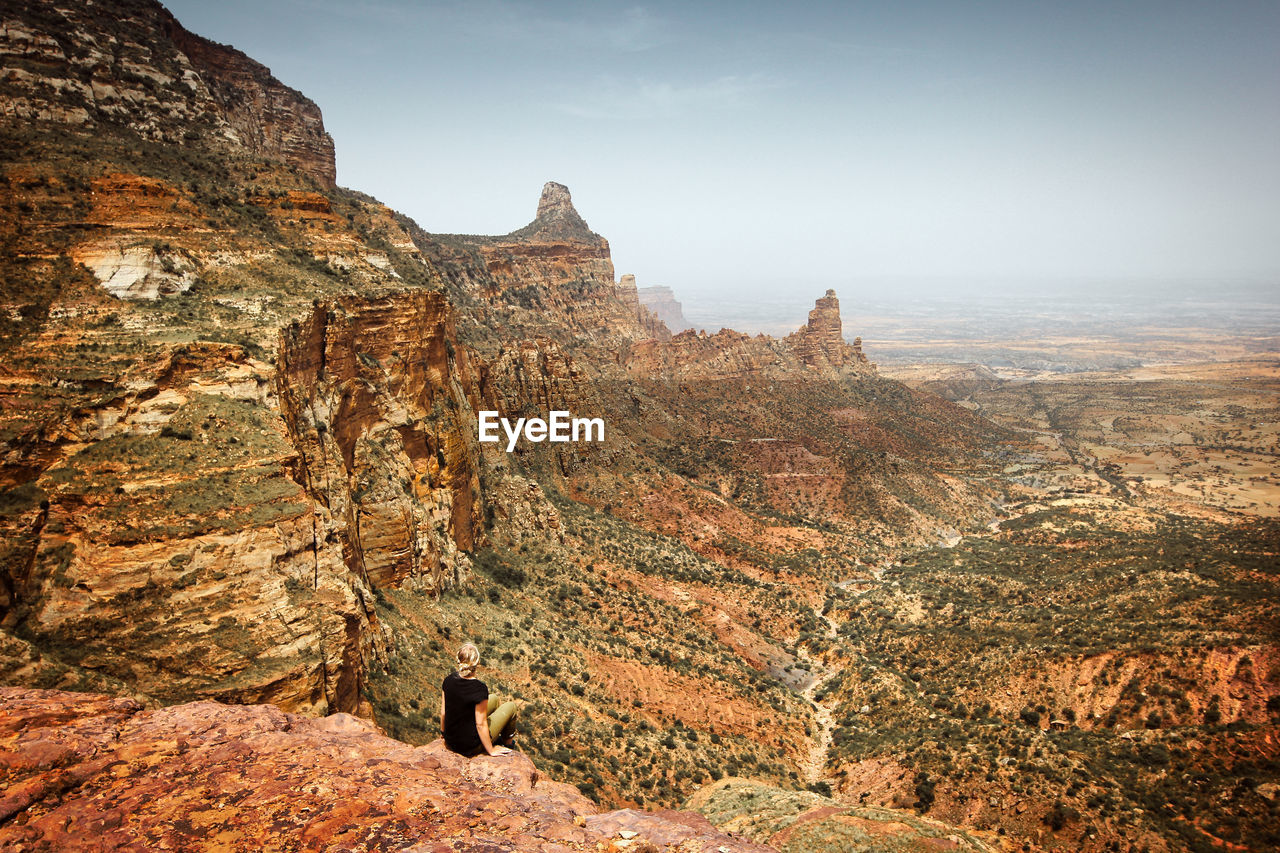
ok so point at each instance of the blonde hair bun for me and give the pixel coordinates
(468, 660)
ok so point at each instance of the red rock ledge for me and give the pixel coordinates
(85, 772)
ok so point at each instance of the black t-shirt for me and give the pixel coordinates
(460, 698)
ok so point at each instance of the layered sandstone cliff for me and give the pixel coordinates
(82, 67)
(821, 342)
(651, 321)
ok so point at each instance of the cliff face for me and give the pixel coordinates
(133, 66)
(217, 490)
(380, 403)
(662, 303)
(166, 549)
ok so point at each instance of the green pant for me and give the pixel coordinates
(502, 718)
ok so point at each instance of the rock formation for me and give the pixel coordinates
(557, 218)
(652, 324)
(67, 64)
(88, 772)
(662, 303)
(821, 342)
(628, 292)
(817, 349)
(380, 403)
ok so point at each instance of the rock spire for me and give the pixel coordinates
(557, 218)
(821, 342)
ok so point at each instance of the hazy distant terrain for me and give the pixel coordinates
(1095, 328)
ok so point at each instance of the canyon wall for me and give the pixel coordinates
(83, 65)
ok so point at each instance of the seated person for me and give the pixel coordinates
(471, 722)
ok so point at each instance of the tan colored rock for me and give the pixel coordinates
(821, 342)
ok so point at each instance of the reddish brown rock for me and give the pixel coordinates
(380, 401)
(821, 342)
(82, 772)
(817, 348)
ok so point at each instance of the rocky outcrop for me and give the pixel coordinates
(725, 354)
(821, 342)
(87, 772)
(557, 247)
(818, 349)
(267, 117)
(662, 303)
(138, 272)
(805, 822)
(652, 324)
(138, 70)
(557, 218)
(629, 293)
(552, 279)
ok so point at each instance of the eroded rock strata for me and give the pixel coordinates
(83, 65)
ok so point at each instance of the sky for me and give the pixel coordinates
(733, 149)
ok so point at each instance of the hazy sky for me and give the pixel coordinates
(738, 147)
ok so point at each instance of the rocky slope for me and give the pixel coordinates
(89, 772)
(806, 822)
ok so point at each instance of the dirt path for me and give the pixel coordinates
(813, 767)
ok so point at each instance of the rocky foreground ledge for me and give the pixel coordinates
(82, 771)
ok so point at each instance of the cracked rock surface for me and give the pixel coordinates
(83, 771)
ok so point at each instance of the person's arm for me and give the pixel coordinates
(442, 712)
(482, 729)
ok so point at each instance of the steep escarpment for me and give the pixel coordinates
(662, 303)
(380, 403)
(816, 350)
(82, 68)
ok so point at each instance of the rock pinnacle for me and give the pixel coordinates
(557, 217)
